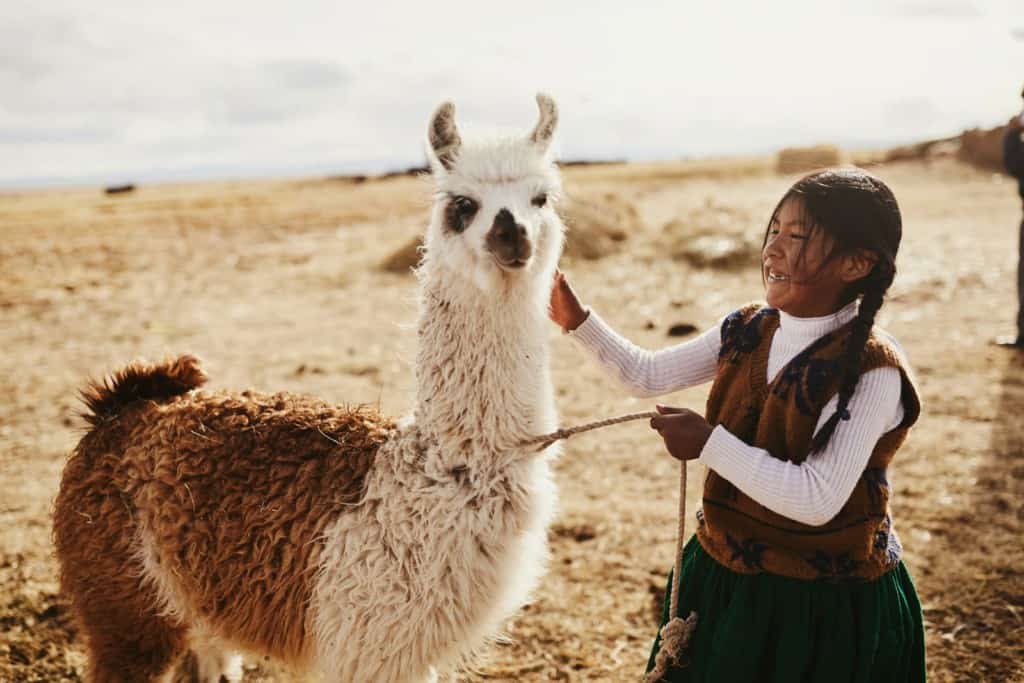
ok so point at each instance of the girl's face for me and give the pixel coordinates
(801, 279)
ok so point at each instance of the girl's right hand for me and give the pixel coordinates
(565, 309)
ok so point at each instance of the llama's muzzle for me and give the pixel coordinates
(507, 241)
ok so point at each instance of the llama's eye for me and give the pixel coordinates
(465, 205)
(459, 212)
(540, 200)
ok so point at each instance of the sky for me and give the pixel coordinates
(113, 91)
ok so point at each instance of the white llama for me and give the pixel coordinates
(328, 537)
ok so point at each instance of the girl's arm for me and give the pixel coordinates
(814, 491)
(646, 373)
(641, 372)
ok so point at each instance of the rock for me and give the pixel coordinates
(580, 533)
(681, 329)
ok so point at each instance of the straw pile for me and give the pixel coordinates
(714, 236)
(597, 224)
(800, 159)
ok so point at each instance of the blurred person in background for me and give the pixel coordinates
(1013, 159)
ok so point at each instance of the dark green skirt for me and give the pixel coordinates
(764, 628)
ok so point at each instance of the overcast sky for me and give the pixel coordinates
(130, 90)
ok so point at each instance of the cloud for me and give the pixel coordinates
(275, 92)
(56, 135)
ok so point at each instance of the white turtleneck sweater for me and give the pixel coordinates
(812, 492)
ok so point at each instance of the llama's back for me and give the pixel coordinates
(220, 501)
(237, 492)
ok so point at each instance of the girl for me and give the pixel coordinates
(795, 569)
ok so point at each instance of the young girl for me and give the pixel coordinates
(795, 569)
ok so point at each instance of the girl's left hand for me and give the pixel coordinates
(684, 431)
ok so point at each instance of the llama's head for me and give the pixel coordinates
(494, 221)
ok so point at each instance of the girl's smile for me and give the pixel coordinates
(802, 276)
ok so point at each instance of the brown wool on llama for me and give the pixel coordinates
(226, 492)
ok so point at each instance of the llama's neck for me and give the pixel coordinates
(482, 371)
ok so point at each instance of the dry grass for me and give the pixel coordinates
(276, 286)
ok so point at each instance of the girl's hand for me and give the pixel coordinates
(565, 309)
(684, 431)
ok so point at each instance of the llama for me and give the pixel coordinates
(334, 539)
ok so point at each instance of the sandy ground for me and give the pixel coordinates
(276, 285)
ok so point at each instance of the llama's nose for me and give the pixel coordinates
(507, 240)
(506, 229)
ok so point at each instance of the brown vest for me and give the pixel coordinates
(780, 417)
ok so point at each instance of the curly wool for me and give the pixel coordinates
(225, 496)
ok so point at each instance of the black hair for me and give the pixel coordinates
(857, 212)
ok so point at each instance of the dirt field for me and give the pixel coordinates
(276, 285)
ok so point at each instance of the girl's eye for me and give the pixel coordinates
(540, 200)
(799, 237)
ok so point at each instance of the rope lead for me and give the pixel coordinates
(676, 633)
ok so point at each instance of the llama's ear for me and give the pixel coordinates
(545, 128)
(443, 135)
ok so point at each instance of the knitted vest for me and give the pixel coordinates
(780, 417)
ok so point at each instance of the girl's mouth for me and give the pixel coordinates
(776, 277)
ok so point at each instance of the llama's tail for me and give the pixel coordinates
(140, 382)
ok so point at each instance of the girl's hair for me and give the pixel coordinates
(857, 212)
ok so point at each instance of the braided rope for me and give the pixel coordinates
(547, 439)
(674, 601)
(676, 633)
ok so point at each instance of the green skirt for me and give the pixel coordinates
(765, 628)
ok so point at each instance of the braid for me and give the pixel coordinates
(875, 286)
(860, 214)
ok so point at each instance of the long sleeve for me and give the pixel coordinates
(645, 373)
(1013, 154)
(814, 491)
